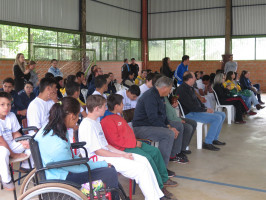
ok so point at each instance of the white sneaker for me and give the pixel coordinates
(9, 186)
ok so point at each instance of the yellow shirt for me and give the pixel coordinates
(139, 80)
(81, 103)
(232, 84)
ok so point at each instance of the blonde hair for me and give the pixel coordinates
(21, 65)
(218, 79)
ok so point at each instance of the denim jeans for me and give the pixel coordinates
(247, 100)
(215, 120)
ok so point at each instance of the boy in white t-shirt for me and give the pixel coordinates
(130, 97)
(38, 110)
(9, 128)
(132, 166)
(101, 85)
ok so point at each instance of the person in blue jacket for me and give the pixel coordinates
(64, 115)
(181, 69)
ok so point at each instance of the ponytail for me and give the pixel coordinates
(57, 116)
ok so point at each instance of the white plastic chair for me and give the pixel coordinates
(200, 126)
(229, 108)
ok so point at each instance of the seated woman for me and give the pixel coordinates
(246, 95)
(27, 94)
(64, 115)
(225, 98)
(129, 80)
(246, 84)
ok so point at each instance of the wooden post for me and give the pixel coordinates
(82, 27)
(144, 33)
(228, 32)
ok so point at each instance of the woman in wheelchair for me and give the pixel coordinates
(54, 146)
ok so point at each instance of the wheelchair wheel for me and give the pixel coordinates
(29, 182)
(53, 191)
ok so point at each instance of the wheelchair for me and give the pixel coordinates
(36, 186)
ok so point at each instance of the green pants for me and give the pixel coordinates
(155, 158)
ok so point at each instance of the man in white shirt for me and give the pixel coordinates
(130, 97)
(204, 90)
(147, 85)
(130, 165)
(38, 110)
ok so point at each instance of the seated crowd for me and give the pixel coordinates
(94, 110)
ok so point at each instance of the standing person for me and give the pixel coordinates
(33, 75)
(54, 69)
(181, 69)
(64, 115)
(195, 110)
(165, 69)
(246, 84)
(20, 73)
(125, 69)
(134, 67)
(141, 79)
(130, 165)
(230, 65)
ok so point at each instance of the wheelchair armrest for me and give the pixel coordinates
(30, 128)
(66, 163)
(25, 137)
(78, 145)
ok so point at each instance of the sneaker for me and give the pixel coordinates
(9, 186)
(186, 152)
(170, 173)
(217, 142)
(181, 158)
(170, 183)
(166, 193)
(210, 147)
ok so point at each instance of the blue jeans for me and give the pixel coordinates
(247, 100)
(215, 120)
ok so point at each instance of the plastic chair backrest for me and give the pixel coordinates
(216, 97)
(181, 109)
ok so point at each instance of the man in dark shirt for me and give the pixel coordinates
(125, 69)
(134, 67)
(195, 110)
(150, 121)
(82, 82)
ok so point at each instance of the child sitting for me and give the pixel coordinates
(130, 165)
(27, 94)
(9, 128)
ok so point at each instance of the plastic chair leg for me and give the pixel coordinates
(199, 135)
(229, 115)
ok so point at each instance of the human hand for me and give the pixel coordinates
(27, 71)
(203, 100)
(209, 110)
(22, 112)
(84, 82)
(109, 165)
(128, 156)
(176, 132)
(25, 144)
(139, 144)
(183, 121)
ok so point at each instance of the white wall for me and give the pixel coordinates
(186, 18)
(50, 13)
(114, 17)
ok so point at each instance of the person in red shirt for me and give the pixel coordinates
(121, 136)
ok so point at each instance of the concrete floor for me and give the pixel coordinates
(236, 172)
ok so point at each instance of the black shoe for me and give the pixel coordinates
(261, 102)
(186, 152)
(170, 173)
(217, 142)
(181, 158)
(210, 147)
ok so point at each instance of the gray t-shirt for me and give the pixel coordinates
(230, 66)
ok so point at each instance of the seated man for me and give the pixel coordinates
(119, 134)
(132, 166)
(150, 121)
(141, 79)
(27, 94)
(205, 90)
(82, 82)
(194, 109)
(147, 85)
(9, 128)
(101, 86)
(130, 97)
(16, 105)
(38, 110)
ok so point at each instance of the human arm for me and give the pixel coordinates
(117, 153)
(12, 154)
